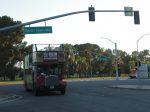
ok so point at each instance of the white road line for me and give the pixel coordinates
(10, 98)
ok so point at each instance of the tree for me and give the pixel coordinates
(108, 68)
(144, 56)
(70, 58)
(11, 45)
(124, 62)
(89, 54)
(85, 60)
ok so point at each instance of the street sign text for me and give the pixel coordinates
(38, 30)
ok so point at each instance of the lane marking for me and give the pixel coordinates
(10, 98)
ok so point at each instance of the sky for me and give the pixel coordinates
(76, 29)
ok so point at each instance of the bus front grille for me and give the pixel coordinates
(51, 80)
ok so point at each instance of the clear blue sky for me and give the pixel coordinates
(76, 29)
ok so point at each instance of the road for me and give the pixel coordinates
(81, 96)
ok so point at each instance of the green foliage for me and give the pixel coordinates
(84, 60)
(11, 45)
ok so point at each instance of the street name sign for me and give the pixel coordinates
(38, 30)
(103, 58)
(128, 11)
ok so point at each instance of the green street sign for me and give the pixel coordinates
(38, 30)
(103, 58)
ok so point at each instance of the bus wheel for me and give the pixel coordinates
(26, 88)
(63, 92)
(35, 91)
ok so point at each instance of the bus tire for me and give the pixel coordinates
(35, 91)
(26, 88)
(63, 92)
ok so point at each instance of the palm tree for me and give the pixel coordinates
(145, 55)
(70, 58)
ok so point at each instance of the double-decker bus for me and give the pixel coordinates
(44, 68)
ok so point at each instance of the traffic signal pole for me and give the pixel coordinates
(55, 17)
(41, 20)
(115, 57)
(116, 61)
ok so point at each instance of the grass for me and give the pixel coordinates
(10, 82)
(19, 81)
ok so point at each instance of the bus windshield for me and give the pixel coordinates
(48, 70)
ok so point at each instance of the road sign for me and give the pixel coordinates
(128, 11)
(103, 58)
(38, 30)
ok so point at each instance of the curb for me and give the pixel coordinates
(11, 82)
(135, 87)
(93, 79)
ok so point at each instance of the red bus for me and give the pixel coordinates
(44, 68)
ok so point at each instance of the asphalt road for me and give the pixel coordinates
(81, 96)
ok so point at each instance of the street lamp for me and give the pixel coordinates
(116, 56)
(139, 40)
(138, 51)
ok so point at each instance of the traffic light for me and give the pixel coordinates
(91, 13)
(118, 65)
(138, 63)
(136, 17)
(119, 69)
